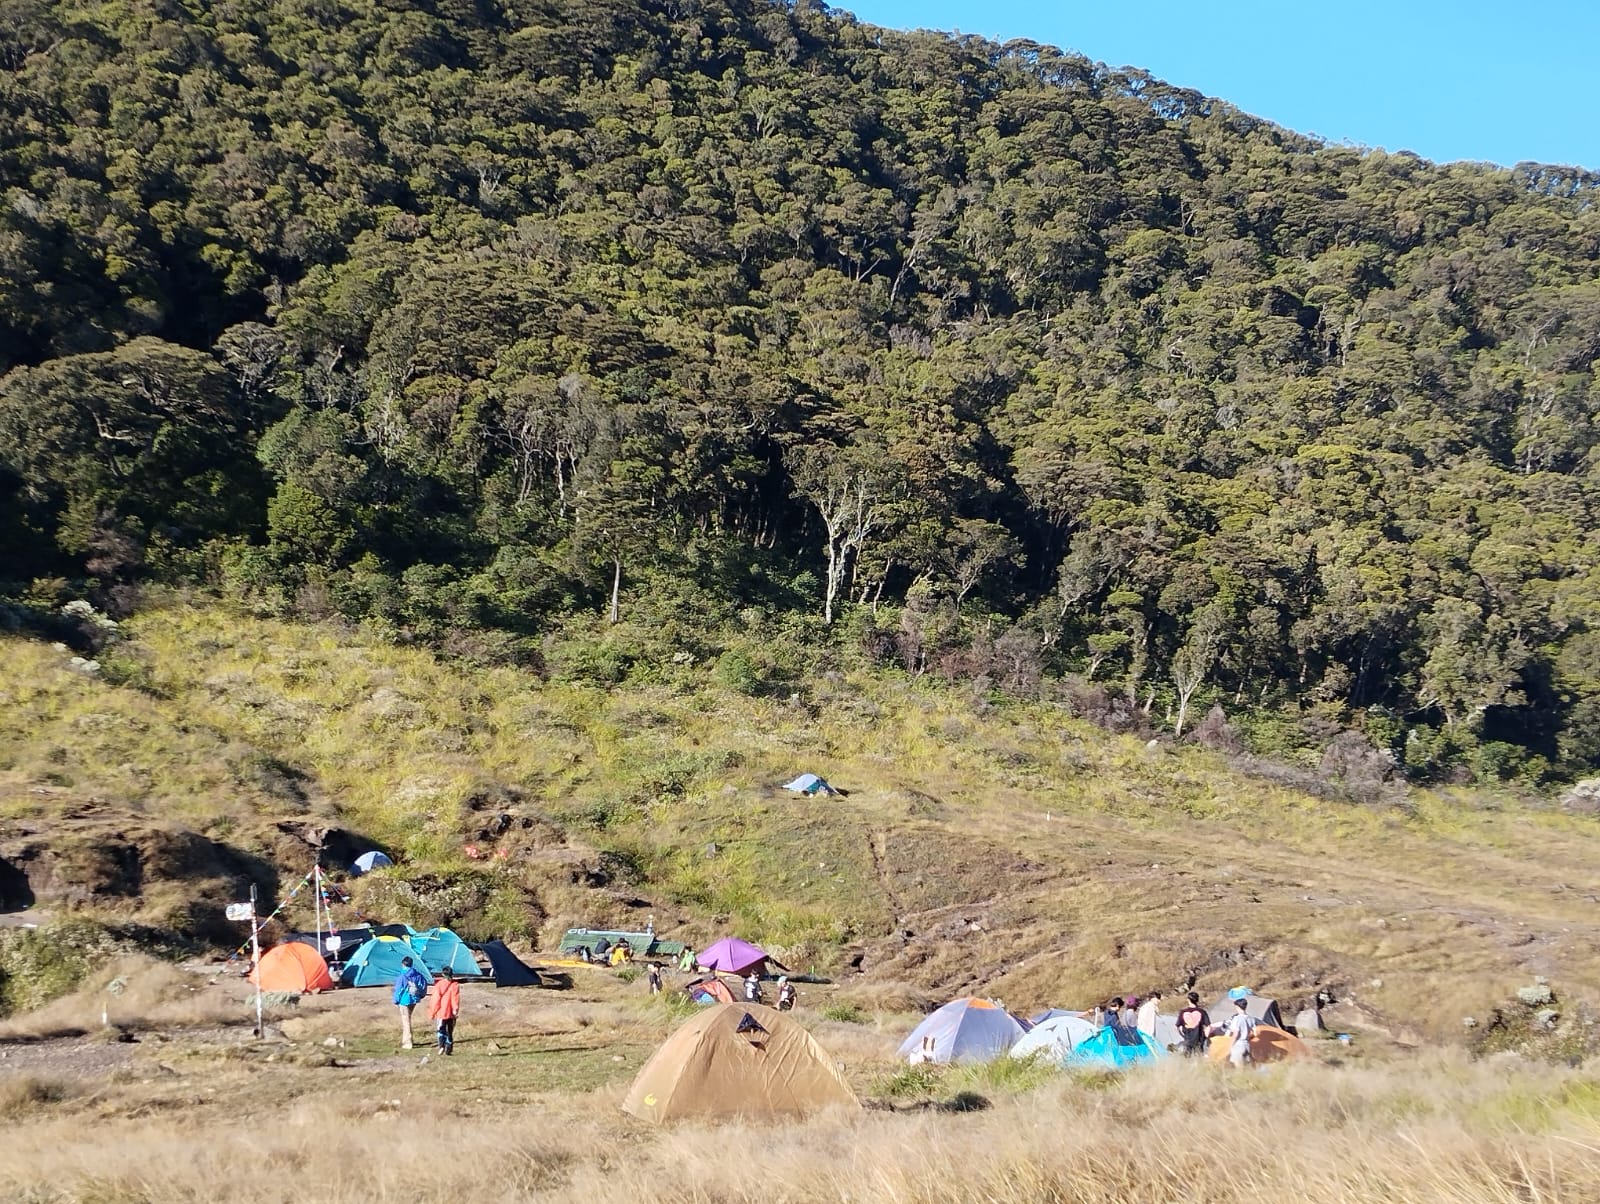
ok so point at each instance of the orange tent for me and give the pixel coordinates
(292, 968)
(704, 990)
(1267, 1044)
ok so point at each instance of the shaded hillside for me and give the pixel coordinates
(460, 320)
(1006, 848)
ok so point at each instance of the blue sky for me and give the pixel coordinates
(1472, 79)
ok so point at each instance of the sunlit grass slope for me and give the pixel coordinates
(983, 845)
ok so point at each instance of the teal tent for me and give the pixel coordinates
(1114, 1046)
(439, 947)
(376, 963)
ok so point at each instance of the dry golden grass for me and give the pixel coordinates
(134, 994)
(1431, 1128)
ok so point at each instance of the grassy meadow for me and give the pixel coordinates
(985, 846)
(326, 1109)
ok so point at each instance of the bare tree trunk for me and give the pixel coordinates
(833, 581)
(616, 590)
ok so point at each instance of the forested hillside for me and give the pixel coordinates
(740, 322)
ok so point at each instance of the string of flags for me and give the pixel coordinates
(311, 873)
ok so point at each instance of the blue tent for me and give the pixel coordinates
(377, 963)
(439, 947)
(1115, 1047)
(963, 1030)
(370, 861)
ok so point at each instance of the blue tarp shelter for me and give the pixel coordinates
(439, 947)
(377, 963)
(1115, 1047)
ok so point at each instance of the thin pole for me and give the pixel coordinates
(255, 953)
(316, 901)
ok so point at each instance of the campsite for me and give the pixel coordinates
(1015, 858)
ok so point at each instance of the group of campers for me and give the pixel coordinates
(411, 988)
(1195, 1026)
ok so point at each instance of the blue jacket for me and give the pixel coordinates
(412, 982)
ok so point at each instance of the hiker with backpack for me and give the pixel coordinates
(409, 988)
(1194, 1025)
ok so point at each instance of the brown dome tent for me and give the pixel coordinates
(292, 968)
(737, 1059)
(1267, 1044)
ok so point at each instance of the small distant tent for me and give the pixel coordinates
(1054, 1039)
(1116, 1046)
(733, 956)
(738, 1060)
(370, 861)
(439, 947)
(292, 968)
(508, 969)
(963, 1030)
(1259, 1006)
(706, 991)
(377, 962)
(1268, 1043)
(809, 783)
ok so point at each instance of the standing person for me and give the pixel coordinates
(1130, 1013)
(752, 988)
(785, 995)
(409, 989)
(1194, 1023)
(686, 960)
(446, 1008)
(1241, 1027)
(1148, 1011)
(1112, 1016)
(655, 978)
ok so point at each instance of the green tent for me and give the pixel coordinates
(377, 963)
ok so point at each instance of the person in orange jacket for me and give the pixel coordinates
(445, 1008)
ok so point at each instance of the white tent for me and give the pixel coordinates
(370, 861)
(1054, 1039)
(809, 783)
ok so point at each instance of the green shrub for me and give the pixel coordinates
(910, 1082)
(844, 1013)
(41, 964)
(738, 670)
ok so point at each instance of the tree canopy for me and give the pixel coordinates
(470, 317)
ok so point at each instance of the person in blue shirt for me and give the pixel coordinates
(409, 989)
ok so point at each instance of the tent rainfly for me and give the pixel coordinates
(733, 956)
(377, 963)
(708, 990)
(963, 1030)
(1116, 1046)
(437, 948)
(508, 969)
(809, 783)
(292, 968)
(738, 1060)
(1054, 1039)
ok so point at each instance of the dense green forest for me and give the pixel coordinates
(752, 328)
